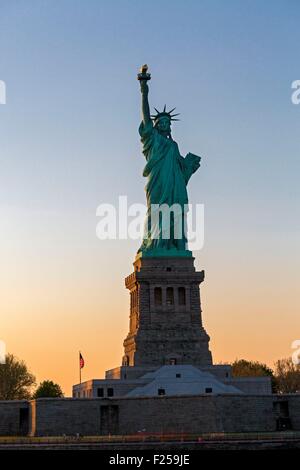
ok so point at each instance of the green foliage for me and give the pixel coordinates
(287, 376)
(15, 379)
(48, 389)
(243, 368)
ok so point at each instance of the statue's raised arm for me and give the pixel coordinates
(143, 78)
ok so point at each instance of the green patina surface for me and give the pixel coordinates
(168, 174)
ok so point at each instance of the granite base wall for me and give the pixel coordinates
(14, 418)
(197, 414)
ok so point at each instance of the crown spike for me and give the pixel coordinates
(164, 113)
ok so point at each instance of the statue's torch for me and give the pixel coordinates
(144, 75)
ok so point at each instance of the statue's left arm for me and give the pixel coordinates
(191, 163)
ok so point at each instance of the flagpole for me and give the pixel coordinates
(79, 369)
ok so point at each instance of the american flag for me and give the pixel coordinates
(81, 361)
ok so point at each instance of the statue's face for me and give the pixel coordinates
(164, 126)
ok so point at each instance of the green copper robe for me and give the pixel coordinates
(168, 174)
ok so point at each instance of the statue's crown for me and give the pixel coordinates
(164, 113)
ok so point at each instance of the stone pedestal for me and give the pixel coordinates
(165, 314)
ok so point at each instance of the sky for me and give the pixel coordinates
(69, 142)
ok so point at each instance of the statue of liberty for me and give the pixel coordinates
(168, 174)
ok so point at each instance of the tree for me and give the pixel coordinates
(48, 389)
(287, 376)
(243, 368)
(16, 380)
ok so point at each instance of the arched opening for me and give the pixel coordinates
(125, 361)
(170, 296)
(157, 296)
(181, 296)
